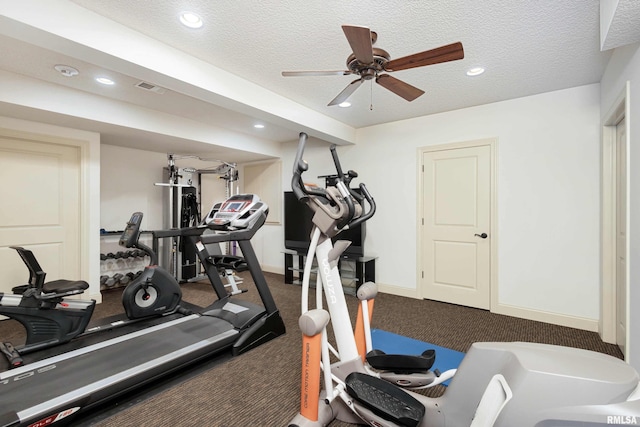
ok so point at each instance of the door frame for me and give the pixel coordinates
(607, 323)
(88, 145)
(493, 214)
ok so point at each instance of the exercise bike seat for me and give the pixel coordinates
(56, 287)
(63, 286)
(37, 276)
(401, 363)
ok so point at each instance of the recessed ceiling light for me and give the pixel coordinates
(344, 104)
(475, 71)
(191, 20)
(66, 70)
(105, 81)
(258, 126)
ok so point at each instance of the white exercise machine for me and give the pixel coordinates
(502, 384)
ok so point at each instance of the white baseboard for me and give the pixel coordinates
(272, 269)
(505, 309)
(397, 290)
(547, 317)
(510, 310)
(97, 297)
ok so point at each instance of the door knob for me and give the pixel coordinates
(482, 236)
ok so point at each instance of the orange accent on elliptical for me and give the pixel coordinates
(361, 342)
(310, 380)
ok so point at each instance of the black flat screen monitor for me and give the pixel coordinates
(298, 225)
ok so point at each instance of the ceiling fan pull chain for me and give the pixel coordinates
(371, 88)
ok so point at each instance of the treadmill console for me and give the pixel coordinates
(129, 236)
(237, 211)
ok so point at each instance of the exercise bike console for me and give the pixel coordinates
(131, 233)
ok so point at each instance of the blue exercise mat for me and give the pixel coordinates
(392, 343)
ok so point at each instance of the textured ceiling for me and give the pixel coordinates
(527, 47)
(624, 26)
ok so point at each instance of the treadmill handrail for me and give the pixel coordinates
(225, 234)
(220, 237)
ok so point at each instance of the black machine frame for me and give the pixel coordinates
(84, 373)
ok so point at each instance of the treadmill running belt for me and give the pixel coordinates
(88, 375)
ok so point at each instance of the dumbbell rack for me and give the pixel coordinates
(118, 267)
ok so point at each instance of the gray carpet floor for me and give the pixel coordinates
(261, 387)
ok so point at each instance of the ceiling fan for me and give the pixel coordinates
(370, 63)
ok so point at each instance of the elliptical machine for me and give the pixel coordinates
(497, 384)
(50, 318)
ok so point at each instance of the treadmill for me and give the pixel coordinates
(54, 386)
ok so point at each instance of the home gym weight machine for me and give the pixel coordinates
(60, 379)
(497, 384)
(182, 200)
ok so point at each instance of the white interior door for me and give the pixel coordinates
(621, 236)
(40, 209)
(457, 220)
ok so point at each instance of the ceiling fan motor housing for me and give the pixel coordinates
(369, 71)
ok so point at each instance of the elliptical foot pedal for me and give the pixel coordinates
(384, 399)
(11, 354)
(401, 363)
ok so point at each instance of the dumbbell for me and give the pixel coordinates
(118, 277)
(129, 277)
(139, 253)
(110, 282)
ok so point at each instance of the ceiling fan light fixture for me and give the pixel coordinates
(345, 104)
(475, 71)
(191, 20)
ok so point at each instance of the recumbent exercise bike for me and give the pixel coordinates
(51, 318)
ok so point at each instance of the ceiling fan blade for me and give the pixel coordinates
(450, 52)
(359, 39)
(399, 87)
(346, 93)
(315, 73)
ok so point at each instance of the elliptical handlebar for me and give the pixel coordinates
(336, 161)
(300, 166)
(372, 207)
(342, 183)
(344, 189)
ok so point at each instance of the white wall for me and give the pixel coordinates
(624, 66)
(126, 185)
(548, 195)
